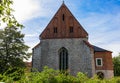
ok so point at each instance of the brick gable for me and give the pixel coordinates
(63, 25)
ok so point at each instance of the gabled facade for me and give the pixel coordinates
(64, 45)
(63, 25)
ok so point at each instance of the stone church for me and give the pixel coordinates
(64, 45)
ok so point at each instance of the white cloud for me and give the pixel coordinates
(31, 35)
(114, 47)
(29, 9)
(103, 30)
(26, 9)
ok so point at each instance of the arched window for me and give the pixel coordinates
(63, 59)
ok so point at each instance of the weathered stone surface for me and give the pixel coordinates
(80, 57)
(36, 58)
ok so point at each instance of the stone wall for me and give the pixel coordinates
(36, 58)
(80, 57)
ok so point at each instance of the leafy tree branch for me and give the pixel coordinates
(6, 15)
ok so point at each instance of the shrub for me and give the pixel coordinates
(15, 73)
(48, 75)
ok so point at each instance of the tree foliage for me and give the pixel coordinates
(12, 48)
(6, 15)
(116, 62)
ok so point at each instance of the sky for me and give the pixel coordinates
(100, 18)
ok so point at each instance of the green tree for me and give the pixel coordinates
(12, 48)
(116, 63)
(6, 15)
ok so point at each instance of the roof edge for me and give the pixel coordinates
(98, 49)
(88, 44)
(95, 48)
(36, 46)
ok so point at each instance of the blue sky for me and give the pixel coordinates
(100, 18)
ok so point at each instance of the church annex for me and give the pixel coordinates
(64, 45)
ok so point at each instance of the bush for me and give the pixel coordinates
(15, 73)
(48, 75)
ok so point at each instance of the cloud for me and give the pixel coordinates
(103, 30)
(31, 35)
(26, 9)
(114, 47)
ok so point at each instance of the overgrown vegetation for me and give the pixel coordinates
(48, 75)
(116, 63)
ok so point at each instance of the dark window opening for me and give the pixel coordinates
(63, 59)
(71, 29)
(100, 75)
(55, 29)
(63, 17)
(99, 62)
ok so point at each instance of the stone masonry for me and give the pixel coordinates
(80, 55)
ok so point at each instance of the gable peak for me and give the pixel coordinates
(63, 25)
(63, 1)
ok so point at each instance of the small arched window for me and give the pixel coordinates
(100, 75)
(63, 59)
